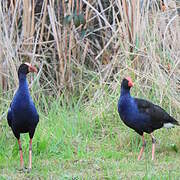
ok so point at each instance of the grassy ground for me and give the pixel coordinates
(86, 143)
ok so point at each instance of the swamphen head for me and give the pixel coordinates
(25, 68)
(126, 83)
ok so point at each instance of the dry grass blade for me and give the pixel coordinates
(53, 24)
(92, 41)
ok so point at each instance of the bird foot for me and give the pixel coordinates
(29, 170)
(25, 170)
(22, 169)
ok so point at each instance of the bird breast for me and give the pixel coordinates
(127, 109)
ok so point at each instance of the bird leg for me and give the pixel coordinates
(142, 149)
(30, 154)
(153, 145)
(21, 154)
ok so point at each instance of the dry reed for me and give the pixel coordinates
(85, 44)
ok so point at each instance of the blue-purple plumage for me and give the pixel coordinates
(139, 114)
(142, 115)
(22, 115)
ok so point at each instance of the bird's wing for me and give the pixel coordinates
(9, 116)
(156, 113)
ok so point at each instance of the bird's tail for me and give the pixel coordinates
(174, 121)
(171, 122)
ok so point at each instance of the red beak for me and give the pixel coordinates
(31, 68)
(130, 83)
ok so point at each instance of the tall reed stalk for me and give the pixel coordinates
(85, 46)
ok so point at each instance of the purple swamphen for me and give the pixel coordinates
(142, 115)
(22, 114)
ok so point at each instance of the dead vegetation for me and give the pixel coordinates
(89, 44)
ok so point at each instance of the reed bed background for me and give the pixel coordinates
(83, 46)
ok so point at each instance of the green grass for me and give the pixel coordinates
(87, 143)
